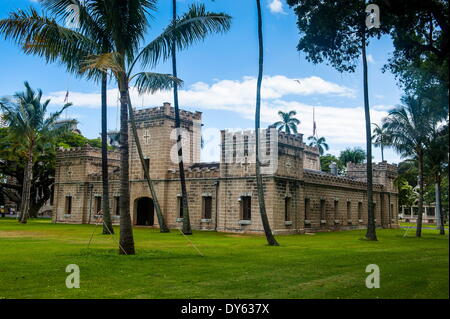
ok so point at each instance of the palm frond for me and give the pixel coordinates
(193, 26)
(149, 82)
(103, 62)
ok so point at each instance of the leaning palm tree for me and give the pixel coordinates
(44, 36)
(288, 122)
(26, 116)
(126, 21)
(222, 25)
(409, 126)
(259, 182)
(380, 138)
(320, 143)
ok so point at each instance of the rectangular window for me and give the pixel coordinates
(246, 205)
(307, 208)
(287, 209)
(323, 213)
(349, 210)
(98, 205)
(68, 205)
(336, 209)
(360, 211)
(117, 205)
(207, 207)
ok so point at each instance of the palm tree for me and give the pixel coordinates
(320, 143)
(380, 138)
(43, 36)
(354, 155)
(288, 122)
(409, 126)
(27, 118)
(127, 23)
(259, 182)
(222, 25)
(436, 163)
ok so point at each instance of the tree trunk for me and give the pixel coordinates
(26, 190)
(184, 202)
(439, 212)
(382, 153)
(371, 232)
(162, 223)
(126, 241)
(259, 182)
(107, 225)
(419, 217)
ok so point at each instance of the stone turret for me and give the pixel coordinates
(383, 174)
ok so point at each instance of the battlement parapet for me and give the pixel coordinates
(290, 139)
(376, 166)
(166, 111)
(85, 151)
(198, 170)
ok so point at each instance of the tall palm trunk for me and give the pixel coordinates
(184, 201)
(126, 241)
(382, 152)
(371, 233)
(162, 223)
(107, 225)
(439, 213)
(26, 188)
(419, 218)
(259, 183)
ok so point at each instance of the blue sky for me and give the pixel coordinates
(219, 76)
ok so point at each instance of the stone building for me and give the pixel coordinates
(222, 195)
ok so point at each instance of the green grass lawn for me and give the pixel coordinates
(33, 258)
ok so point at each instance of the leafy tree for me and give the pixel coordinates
(355, 155)
(288, 122)
(436, 165)
(43, 36)
(326, 160)
(410, 126)
(259, 182)
(420, 33)
(406, 195)
(221, 23)
(380, 138)
(335, 32)
(320, 143)
(26, 117)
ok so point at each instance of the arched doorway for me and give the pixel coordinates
(145, 212)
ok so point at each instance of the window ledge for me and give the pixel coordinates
(179, 219)
(349, 221)
(116, 216)
(307, 222)
(206, 220)
(288, 223)
(245, 222)
(323, 221)
(67, 215)
(337, 221)
(361, 221)
(393, 220)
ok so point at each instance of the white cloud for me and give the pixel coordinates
(370, 59)
(340, 126)
(276, 6)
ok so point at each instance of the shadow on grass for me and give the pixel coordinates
(141, 254)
